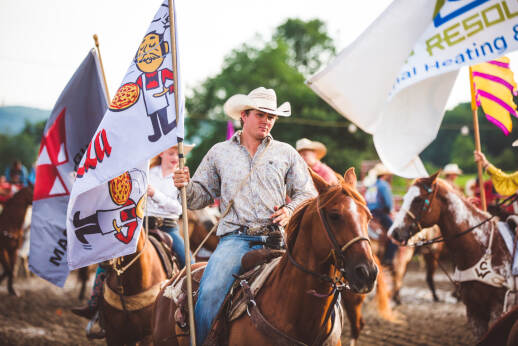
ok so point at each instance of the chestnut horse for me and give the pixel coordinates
(11, 232)
(471, 237)
(128, 296)
(327, 239)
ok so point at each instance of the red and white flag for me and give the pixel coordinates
(107, 201)
(71, 125)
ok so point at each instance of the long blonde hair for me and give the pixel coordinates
(155, 161)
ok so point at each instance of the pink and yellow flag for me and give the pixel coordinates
(494, 86)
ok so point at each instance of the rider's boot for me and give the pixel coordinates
(88, 311)
(94, 329)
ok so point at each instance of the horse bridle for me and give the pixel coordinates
(426, 209)
(336, 252)
(416, 221)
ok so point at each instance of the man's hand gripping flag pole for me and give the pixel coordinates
(183, 191)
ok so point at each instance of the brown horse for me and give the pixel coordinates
(11, 232)
(128, 296)
(352, 302)
(472, 239)
(327, 238)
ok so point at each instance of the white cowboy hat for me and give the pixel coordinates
(380, 169)
(262, 99)
(306, 144)
(515, 143)
(451, 168)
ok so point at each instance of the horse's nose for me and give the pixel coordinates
(362, 272)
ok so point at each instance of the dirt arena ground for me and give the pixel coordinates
(41, 316)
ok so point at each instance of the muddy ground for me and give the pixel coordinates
(41, 316)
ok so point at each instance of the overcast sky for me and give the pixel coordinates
(43, 42)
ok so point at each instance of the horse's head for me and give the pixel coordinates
(338, 219)
(419, 210)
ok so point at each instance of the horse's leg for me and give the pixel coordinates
(403, 256)
(431, 259)
(5, 263)
(13, 254)
(353, 307)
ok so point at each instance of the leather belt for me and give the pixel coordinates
(254, 231)
(157, 222)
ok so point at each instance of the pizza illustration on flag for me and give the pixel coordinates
(126, 97)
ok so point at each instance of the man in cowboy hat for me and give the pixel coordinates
(312, 152)
(380, 202)
(505, 184)
(257, 173)
(451, 171)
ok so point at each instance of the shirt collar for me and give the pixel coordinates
(236, 137)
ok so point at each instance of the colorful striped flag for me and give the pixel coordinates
(494, 86)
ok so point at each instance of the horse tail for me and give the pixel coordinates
(382, 295)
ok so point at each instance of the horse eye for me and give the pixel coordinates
(334, 216)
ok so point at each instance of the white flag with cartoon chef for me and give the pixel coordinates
(106, 206)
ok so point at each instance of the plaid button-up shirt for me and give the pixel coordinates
(280, 171)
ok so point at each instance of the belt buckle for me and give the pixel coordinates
(159, 222)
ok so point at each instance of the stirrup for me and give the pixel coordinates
(95, 334)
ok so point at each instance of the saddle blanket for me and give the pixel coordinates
(508, 236)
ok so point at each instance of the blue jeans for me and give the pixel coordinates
(178, 244)
(217, 279)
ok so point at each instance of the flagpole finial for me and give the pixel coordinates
(96, 40)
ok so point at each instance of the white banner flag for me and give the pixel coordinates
(105, 211)
(395, 79)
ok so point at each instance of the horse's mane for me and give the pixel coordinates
(325, 197)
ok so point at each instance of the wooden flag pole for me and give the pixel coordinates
(96, 40)
(183, 190)
(477, 140)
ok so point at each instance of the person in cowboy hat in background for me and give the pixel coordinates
(451, 171)
(312, 152)
(380, 203)
(505, 184)
(163, 210)
(257, 173)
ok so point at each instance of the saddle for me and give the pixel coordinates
(257, 265)
(163, 244)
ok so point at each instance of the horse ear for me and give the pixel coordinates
(350, 177)
(320, 184)
(431, 179)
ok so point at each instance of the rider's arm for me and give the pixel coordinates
(299, 185)
(505, 184)
(168, 204)
(205, 185)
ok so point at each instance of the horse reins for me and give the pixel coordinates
(336, 252)
(441, 238)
